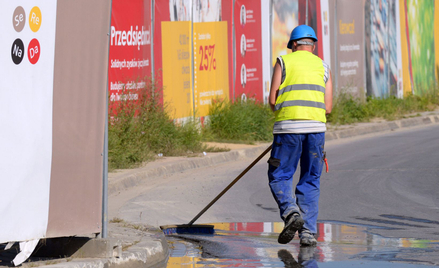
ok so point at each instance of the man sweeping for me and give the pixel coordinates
(301, 97)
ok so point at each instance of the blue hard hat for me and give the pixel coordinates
(301, 31)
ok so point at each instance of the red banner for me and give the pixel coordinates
(161, 13)
(130, 48)
(248, 44)
(226, 15)
(312, 19)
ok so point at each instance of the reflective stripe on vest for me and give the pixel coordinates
(302, 94)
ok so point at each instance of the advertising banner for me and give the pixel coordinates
(207, 10)
(266, 47)
(27, 50)
(227, 16)
(436, 38)
(248, 44)
(161, 13)
(210, 65)
(285, 18)
(130, 48)
(383, 52)
(406, 73)
(324, 38)
(421, 20)
(177, 70)
(312, 19)
(350, 47)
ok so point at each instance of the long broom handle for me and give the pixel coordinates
(230, 185)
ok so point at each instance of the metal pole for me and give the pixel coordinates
(192, 58)
(104, 233)
(306, 22)
(105, 177)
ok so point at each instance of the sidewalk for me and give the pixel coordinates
(133, 245)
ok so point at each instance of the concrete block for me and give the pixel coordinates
(100, 248)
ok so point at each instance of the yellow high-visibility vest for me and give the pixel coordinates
(302, 94)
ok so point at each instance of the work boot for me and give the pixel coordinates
(307, 239)
(292, 223)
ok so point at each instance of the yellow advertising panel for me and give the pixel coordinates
(407, 83)
(177, 75)
(211, 77)
(436, 38)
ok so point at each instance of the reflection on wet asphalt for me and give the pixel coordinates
(255, 245)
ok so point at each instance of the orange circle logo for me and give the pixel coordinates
(35, 19)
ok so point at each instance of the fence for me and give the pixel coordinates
(198, 50)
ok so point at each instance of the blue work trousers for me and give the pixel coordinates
(286, 152)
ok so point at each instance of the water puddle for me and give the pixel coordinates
(339, 245)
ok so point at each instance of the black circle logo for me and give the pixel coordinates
(17, 51)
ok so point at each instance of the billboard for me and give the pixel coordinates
(248, 44)
(177, 68)
(350, 48)
(211, 77)
(130, 48)
(383, 54)
(285, 19)
(193, 63)
(419, 35)
(324, 32)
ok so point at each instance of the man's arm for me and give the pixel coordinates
(328, 94)
(275, 83)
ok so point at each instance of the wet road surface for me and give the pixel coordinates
(380, 193)
(340, 245)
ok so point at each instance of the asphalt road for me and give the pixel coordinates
(388, 182)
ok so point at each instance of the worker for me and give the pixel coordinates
(301, 97)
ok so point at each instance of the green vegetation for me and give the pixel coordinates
(140, 130)
(244, 122)
(348, 110)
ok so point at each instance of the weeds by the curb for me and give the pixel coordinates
(141, 130)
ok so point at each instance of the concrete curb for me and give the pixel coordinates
(370, 128)
(136, 178)
(137, 245)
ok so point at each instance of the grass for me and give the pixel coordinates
(238, 121)
(140, 130)
(348, 110)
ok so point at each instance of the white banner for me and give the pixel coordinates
(27, 49)
(326, 42)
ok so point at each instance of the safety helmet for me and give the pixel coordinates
(301, 31)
